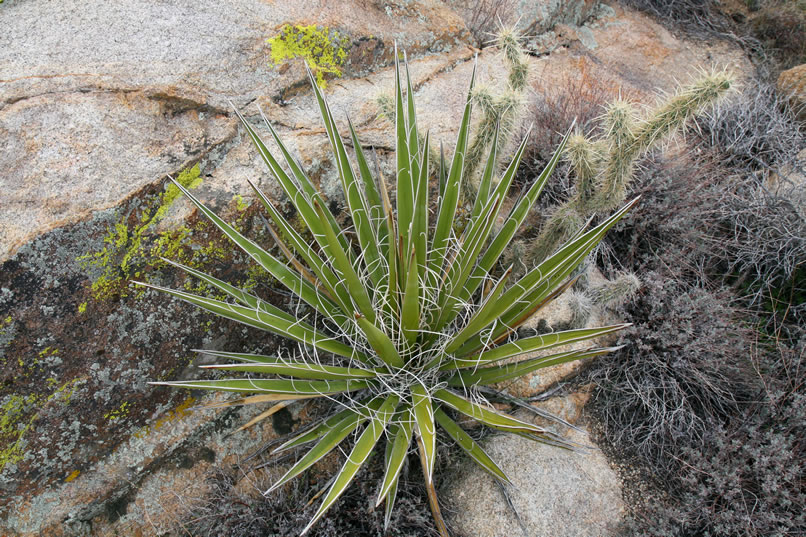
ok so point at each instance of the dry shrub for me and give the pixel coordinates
(677, 376)
(758, 216)
(236, 508)
(714, 409)
(580, 94)
(730, 208)
(755, 132)
(748, 478)
(702, 17)
(780, 25)
(484, 17)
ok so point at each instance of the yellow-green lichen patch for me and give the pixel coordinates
(48, 351)
(240, 204)
(120, 412)
(323, 49)
(29, 365)
(74, 474)
(82, 307)
(179, 412)
(17, 416)
(126, 249)
(7, 333)
(256, 276)
(13, 426)
(189, 179)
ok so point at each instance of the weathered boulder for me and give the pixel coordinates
(91, 83)
(554, 492)
(792, 84)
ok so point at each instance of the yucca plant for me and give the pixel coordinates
(408, 318)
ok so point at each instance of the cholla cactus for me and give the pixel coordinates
(616, 291)
(509, 41)
(619, 167)
(610, 294)
(411, 318)
(562, 224)
(585, 157)
(499, 112)
(581, 307)
(629, 137)
(606, 166)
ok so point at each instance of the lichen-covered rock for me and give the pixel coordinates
(540, 17)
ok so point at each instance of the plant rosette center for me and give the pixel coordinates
(410, 313)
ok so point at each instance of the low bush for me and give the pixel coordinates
(677, 376)
(748, 477)
(233, 510)
(760, 210)
(710, 407)
(755, 131)
(701, 17)
(730, 207)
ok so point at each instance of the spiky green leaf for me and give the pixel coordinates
(360, 453)
(424, 419)
(469, 446)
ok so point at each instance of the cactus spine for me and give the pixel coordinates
(581, 307)
(610, 294)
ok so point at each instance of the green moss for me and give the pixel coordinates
(126, 251)
(324, 50)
